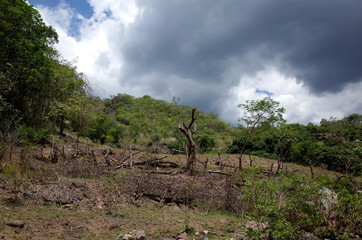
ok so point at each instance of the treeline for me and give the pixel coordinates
(333, 144)
(39, 90)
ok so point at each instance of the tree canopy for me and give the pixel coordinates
(26, 59)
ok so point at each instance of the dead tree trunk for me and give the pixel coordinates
(191, 146)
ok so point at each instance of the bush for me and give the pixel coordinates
(204, 142)
(288, 204)
(32, 135)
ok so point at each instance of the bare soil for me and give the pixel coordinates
(57, 191)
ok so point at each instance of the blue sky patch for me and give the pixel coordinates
(82, 6)
(259, 91)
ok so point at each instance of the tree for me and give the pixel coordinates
(205, 142)
(286, 136)
(67, 84)
(26, 59)
(308, 153)
(257, 113)
(191, 146)
(81, 111)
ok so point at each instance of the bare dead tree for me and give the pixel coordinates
(191, 146)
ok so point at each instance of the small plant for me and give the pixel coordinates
(18, 174)
(114, 188)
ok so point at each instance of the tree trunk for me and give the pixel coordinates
(61, 129)
(191, 155)
(250, 160)
(311, 169)
(191, 146)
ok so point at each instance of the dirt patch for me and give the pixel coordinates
(93, 192)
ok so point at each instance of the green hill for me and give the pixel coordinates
(149, 120)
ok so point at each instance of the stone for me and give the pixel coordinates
(230, 230)
(182, 237)
(256, 225)
(16, 224)
(329, 199)
(125, 237)
(138, 234)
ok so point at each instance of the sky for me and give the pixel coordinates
(214, 54)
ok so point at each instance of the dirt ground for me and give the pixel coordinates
(57, 192)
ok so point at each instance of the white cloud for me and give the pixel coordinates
(301, 105)
(95, 50)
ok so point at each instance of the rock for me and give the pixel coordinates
(134, 235)
(138, 234)
(182, 237)
(16, 224)
(256, 225)
(68, 206)
(126, 237)
(230, 230)
(329, 199)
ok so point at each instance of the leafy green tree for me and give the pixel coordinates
(308, 153)
(67, 84)
(204, 142)
(81, 111)
(258, 113)
(26, 59)
(99, 127)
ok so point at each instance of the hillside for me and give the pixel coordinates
(70, 190)
(149, 120)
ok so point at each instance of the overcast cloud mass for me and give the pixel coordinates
(216, 54)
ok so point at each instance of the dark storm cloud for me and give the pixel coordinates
(318, 41)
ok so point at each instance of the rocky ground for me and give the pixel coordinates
(57, 192)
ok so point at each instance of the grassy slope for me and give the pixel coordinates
(149, 118)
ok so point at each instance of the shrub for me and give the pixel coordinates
(288, 204)
(32, 135)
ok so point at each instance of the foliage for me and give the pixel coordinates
(259, 112)
(81, 111)
(287, 204)
(27, 134)
(258, 115)
(26, 60)
(204, 142)
(334, 144)
(156, 121)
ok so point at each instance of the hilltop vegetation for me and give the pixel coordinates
(152, 121)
